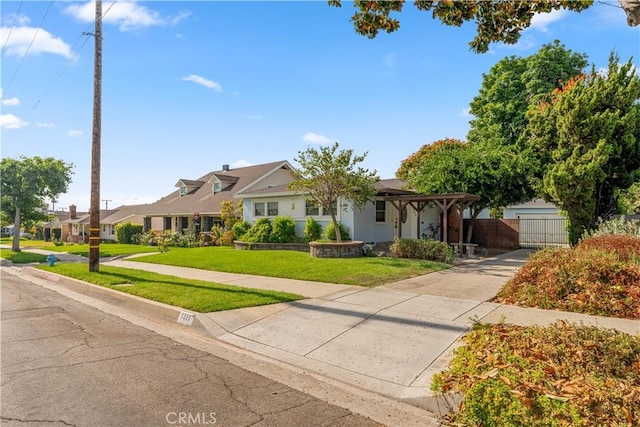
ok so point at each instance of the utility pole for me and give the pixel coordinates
(106, 204)
(94, 214)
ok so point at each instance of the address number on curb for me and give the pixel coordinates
(186, 318)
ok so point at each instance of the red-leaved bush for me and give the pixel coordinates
(600, 276)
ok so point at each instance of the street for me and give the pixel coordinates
(67, 364)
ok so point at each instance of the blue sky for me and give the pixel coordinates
(190, 86)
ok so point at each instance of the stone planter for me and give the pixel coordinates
(300, 247)
(350, 249)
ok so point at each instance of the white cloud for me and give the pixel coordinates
(128, 15)
(45, 125)
(465, 112)
(541, 21)
(74, 133)
(17, 43)
(241, 164)
(203, 81)
(13, 19)
(315, 138)
(11, 102)
(9, 121)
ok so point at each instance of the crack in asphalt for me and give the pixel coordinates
(20, 420)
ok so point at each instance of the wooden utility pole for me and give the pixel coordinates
(94, 216)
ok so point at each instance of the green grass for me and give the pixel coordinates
(365, 271)
(21, 257)
(106, 249)
(194, 295)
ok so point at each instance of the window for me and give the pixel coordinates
(272, 208)
(167, 223)
(217, 187)
(258, 209)
(311, 208)
(183, 191)
(334, 208)
(381, 211)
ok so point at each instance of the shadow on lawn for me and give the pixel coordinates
(213, 287)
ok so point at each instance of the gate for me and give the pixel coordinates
(536, 233)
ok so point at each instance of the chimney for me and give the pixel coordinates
(72, 212)
(225, 168)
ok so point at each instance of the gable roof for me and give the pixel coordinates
(204, 201)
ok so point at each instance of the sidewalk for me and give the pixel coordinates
(389, 340)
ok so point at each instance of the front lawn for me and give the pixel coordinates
(106, 249)
(558, 375)
(364, 271)
(194, 295)
(21, 257)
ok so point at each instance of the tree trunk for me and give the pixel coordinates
(472, 222)
(15, 244)
(334, 221)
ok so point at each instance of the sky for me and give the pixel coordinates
(190, 86)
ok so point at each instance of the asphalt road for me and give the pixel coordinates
(67, 364)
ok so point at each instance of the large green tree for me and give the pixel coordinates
(496, 20)
(587, 137)
(328, 174)
(499, 175)
(26, 185)
(514, 83)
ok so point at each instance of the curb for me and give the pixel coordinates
(142, 307)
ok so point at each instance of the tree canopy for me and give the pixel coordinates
(327, 174)
(514, 83)
(496, 20)
(26, 185)
(587, 138)
(499, 175)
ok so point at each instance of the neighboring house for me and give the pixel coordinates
(540, 223)
(75, 228)
(534, 209)
(197, 204)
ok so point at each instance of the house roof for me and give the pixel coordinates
(533, 204)
(204, 201)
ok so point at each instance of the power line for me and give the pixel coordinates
(29, 47)
(15, 18)
(84, 35)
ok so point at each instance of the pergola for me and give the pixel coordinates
(458, 201)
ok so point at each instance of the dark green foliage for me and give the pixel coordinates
(345, 233)
(284, 230)
(260, 232)
(312, 230)
(587, 138)
(422, 249)
(125, 232)
(240, 228)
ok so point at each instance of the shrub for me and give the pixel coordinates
(284, 230)
(422, 249)
(312, 230)
(586, 279)
(615, 226)
(260, 232)
(625, 246)
(557, 375)
(147, 239)
(216, 234)
(240, 228)
(345, 232)
(125, 232)
(186, 239)
(227, 238)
